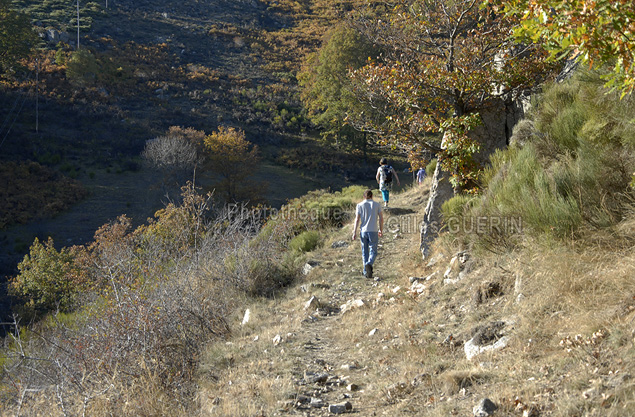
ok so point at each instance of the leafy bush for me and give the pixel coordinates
(305, 241)
(147, 307)
(82, 68)
(46, 280)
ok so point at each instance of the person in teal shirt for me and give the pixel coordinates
(384, 177)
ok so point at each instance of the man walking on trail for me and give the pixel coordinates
(385, 174)
(369, 215)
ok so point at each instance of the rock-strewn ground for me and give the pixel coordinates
(441, 337)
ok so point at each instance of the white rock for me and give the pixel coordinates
(448, 271)
(246, 317)
(433, 261)
(277, 339)
(340, 408)
(316, 402)
(350, 305)
(417, 288)
(312, 304)
(472, 350)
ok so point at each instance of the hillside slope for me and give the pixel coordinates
(538, 332)
(158, 64)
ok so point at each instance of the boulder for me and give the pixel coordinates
(340, 408)
(485, 408)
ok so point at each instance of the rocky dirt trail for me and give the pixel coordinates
(446, 337)
(335, 342)
(331, 370)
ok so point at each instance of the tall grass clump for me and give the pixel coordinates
(432, 165)
(568, 169)
(305, 241)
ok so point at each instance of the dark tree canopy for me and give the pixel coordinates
(16, 36)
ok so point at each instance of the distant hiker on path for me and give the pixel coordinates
(385, 174)
(421, 174)
(369, 214)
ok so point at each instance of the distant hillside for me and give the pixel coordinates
(150, 65)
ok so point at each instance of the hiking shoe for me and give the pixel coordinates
(369, 271)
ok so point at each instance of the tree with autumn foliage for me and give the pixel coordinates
(234, 158)
(444, 62)
(600, 32)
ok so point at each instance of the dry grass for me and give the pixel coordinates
(568, 313)
(570, 350)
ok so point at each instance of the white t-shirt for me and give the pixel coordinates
(368, 211)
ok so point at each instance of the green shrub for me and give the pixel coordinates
(82, 68)
(571, 168)
(519, 186)
(565, 127)
(257, 269)
(267, 276)
(48, 280)
(305, 241)
(456, 206)
(313, 211)
(432, 165)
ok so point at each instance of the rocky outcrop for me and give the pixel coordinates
(440, 192)
(498, 122)
(485, 408)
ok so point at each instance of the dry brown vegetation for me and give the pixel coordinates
(30, 190)
(570, 351)
(184, 346)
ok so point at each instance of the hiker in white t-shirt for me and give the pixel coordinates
(370, 217)
(385, 174)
